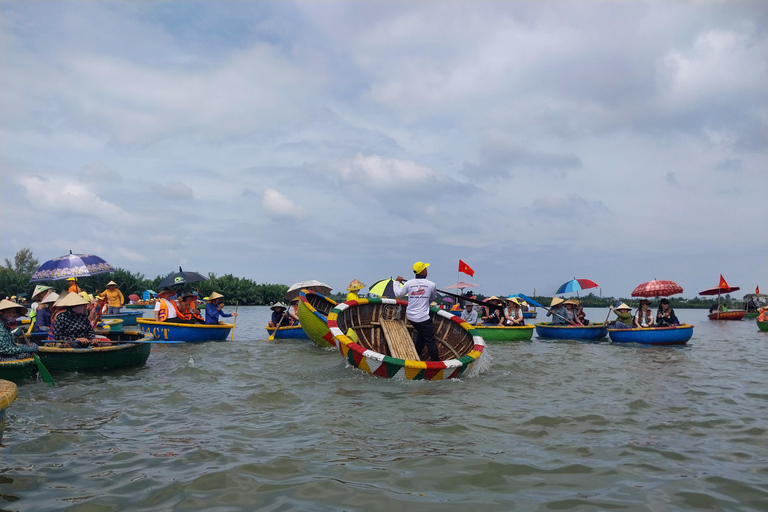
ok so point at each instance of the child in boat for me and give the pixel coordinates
(643, 317)
(353, 288)
(623, 317)
(665, 317)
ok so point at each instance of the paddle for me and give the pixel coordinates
(44, 373)
(237, 305)
(616, 304)
(272, 336)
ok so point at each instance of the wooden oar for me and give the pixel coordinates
(237, 305)
(272, 336)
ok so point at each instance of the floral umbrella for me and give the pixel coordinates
(71, 265)
(657, 288)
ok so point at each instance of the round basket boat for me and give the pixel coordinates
(123, 354)
(763, 326)
(314, 309)
(372, 335)
(128, 317)
(501, 333)
(111, 324)
(678, 335)
(18, 370)
(288, 332)
(592, 332)
(734, 314)
(8, 392)
(185, 332)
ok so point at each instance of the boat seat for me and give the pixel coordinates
(399, 340)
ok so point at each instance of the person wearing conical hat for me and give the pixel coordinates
(494, 314)
(114, 298)
(513, 315)
(353, 288)
(280, 316)
(214, 309)
(72, 327)
(623, 317)
(9, 312)
(558, 312)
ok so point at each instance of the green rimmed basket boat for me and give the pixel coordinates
(371, 335)
(18, 370)
(763, 326)
(8, 393)
(99, 359)
(313, 315)
(503, 334)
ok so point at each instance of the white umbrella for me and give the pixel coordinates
(312, 285)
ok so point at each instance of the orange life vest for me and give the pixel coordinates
(162, 314)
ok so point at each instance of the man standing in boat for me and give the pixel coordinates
(421, 291)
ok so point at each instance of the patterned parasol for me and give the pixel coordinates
(657, 288)
(71, 265)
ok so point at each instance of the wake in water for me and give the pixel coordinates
(482, 364)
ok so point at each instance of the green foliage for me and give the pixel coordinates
(15, 276)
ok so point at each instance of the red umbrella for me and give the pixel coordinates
(717, 290)
(657, 289)
(133, 296)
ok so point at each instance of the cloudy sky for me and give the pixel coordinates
(537, 141)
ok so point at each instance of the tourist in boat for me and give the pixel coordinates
(581, 316)
(55, 310)
(513, 314)
(9, 312)
(188, 309)
(494, 315)
(293, 311)
(72, 326)
(95, 310)
(353, 288)
(114, 298)
(166, 309)
(570, 312)
(213, 310)
(665, 316)
(469, 314)
(73, 288)
(624, 317)
(557, 311)
(280, 316)
(763, 316)
(644, 316)
(421, 291)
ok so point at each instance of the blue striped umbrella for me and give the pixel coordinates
(71, 265)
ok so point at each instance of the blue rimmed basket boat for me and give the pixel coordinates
(123, 354)
(678, 335)
(289, 332)
(371, 335)
(185, 332)
(313, 314)
(503, 334)
(592, 332)
(128, 317)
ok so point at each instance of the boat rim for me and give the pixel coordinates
(149, 321)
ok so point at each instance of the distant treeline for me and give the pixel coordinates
(593, 301)
(15, 276)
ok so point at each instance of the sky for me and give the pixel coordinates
(536, 141)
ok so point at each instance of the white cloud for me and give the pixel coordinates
(387, 173)
(279, 205)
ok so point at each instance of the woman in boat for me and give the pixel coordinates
(623, 317)
(665, 316)
(644, 317)
(213, 310)
(280, 316)
(293, 311)
(581, 316)
(9, 312)
(72, 326)
(166, 309)
(570, 312)
(557, 311)
(513, 315)
(353, 288)
(95, 309)
(493, 315)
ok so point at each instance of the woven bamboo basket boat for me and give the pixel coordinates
(677, 335)
(99, 359)
(313, 315)
(591, 332)
(18, 370)
(763, 326)
(287, 332)
(373, 335)
(111, 324)
(185, 332)
(8, 392)
(501, 333)
(733, 314)
(128, 317)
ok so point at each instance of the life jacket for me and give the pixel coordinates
(162, 314)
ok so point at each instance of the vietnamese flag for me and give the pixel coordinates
(723, 284)
(757, 290)
(466, 269)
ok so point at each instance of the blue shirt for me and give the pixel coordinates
(212, 313)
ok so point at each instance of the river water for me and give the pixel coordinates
(283, 425)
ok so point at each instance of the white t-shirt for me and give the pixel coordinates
(171, 309)
(420, 293)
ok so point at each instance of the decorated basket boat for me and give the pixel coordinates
(8, 392)
(18, 370)
(111, 324)
(529, 314)
(288, 332)
(734, 314)
(123, 354)
(128, 317)
(763, 326)
(185, 332)
(499, 334)
(591, 332)
(313, 315)
(678, 335)
(372, 335)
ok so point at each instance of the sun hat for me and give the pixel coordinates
(556, 301)
(166, 290)
(355, 285)
(214, 295)
(570, 302)
(419, 267)
(492, 298)
(50, 299)
(40, 289)
(111, 283)
(85, 296)
(71, 299)
(623, 306)
(6, 304)
(278, 305)
(433, 303)
(512, 299)
(71, 279)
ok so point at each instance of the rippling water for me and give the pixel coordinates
(257, 425)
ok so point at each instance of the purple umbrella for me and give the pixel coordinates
(71, 265)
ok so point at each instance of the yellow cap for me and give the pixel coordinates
(70, 279)
(419, 267)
